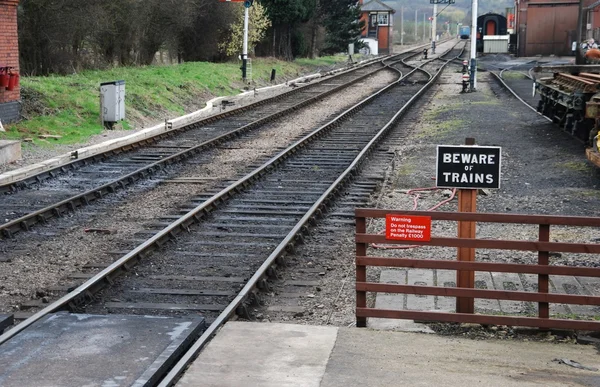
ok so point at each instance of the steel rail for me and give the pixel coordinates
(300, 227)
(182, 364)
(85, 290)
(83, 199)
(499, 78)
(73, 165)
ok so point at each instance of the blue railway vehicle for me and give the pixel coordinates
(464, 32)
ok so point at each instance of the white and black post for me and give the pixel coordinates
(247, 5)
(474, 46)
(434, 28)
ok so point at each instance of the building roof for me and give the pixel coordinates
(376, 6)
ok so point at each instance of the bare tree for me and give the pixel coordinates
(62, 36)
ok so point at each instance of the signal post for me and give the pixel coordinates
(247, 5)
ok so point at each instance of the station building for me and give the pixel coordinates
(378, 26)
(10, 96)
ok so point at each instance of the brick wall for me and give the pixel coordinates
(9, 56)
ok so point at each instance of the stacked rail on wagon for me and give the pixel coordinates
(571, 99)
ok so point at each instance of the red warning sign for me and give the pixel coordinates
(408, 228)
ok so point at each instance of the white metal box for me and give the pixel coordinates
(372, 44)
(112, 100)
(495, 44)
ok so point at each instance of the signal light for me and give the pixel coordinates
(248, 3)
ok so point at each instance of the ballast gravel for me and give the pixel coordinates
(544, 171)
(35, 263)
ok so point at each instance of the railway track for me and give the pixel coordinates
(76, 185)
(303, 292)
(520, 84)
(220, 249)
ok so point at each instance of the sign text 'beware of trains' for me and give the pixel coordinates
(468, 166)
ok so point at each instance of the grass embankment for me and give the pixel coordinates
(68, 106)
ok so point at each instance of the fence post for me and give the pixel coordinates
(361, 271)
(543, 281)
(467, 202)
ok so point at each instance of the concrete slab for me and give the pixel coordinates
(10, 150)
(400, 301)
(509, 281)
(376, 358)
(420, 277)
(570, 285)
(446, 279)
(86, 350)
(256, 354)
(483, 280)
(6, 320)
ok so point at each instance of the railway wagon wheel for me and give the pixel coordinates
(540, 106)
(569, 123)
(581, 129)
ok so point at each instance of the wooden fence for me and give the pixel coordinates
(543, 269)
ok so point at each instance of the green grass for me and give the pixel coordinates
(486, 103)
(68, 106)
(435, 113)
(513, 75)
(326, 60)
(575, 166)
(586, 194)
(441, 128)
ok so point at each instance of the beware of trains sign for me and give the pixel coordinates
(468, 166)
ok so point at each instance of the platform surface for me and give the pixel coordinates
(267, 354)
(84, 350)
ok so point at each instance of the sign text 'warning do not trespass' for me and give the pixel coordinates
(468, 166)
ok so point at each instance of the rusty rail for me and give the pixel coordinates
(542, 269)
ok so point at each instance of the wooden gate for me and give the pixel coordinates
(542, 269)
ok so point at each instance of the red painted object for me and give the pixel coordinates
(408, 228)
(13, 81)
(4, 79)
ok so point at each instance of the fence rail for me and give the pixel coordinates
(542, 269)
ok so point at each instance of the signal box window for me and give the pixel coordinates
(383, 19)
